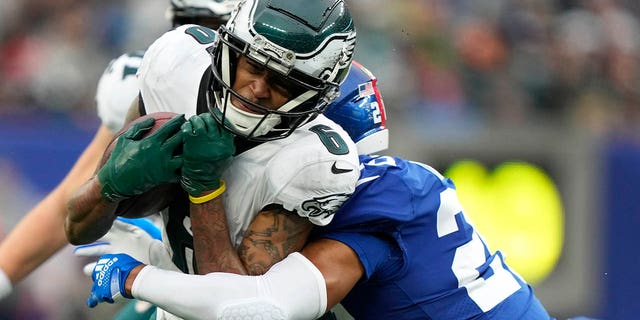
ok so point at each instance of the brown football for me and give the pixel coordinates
(157, 198)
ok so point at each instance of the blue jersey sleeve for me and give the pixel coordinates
(390, 193)
(378, 254)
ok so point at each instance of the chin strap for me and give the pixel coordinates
(297, 100)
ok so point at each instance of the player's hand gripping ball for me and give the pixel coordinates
(208, 151)
(140, 167)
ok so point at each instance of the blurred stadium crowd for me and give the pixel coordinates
(460, 63)
(566, 63)
(569, 63)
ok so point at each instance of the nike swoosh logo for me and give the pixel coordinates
(336, 170)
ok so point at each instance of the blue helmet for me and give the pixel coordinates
(360, 111)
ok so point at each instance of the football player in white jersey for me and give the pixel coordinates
(359, 110)
(267, 89)
(20, 252)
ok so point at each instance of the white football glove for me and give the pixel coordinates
(139, 238)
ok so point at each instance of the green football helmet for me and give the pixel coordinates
(210, 13)
(308, 43)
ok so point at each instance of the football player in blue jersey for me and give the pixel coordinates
(401, 247)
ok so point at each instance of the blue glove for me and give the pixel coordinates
(109, 276)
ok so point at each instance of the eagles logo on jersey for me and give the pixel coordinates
(324, 206)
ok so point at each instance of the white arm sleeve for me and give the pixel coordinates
(292, 289)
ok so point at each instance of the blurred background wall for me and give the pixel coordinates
(531, 106)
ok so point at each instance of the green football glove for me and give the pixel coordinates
(207, 152)
(139, 163)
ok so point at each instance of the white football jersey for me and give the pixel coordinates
(302, 172)
(117, 88)
(297, 172)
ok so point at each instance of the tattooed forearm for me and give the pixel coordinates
(211, 241)
(272, 236)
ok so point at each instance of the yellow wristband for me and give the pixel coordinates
(209, 196)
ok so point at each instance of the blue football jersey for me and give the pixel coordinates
(422, 257)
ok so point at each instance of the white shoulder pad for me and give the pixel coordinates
(172, 68)
(117, 88)
(316, 173)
